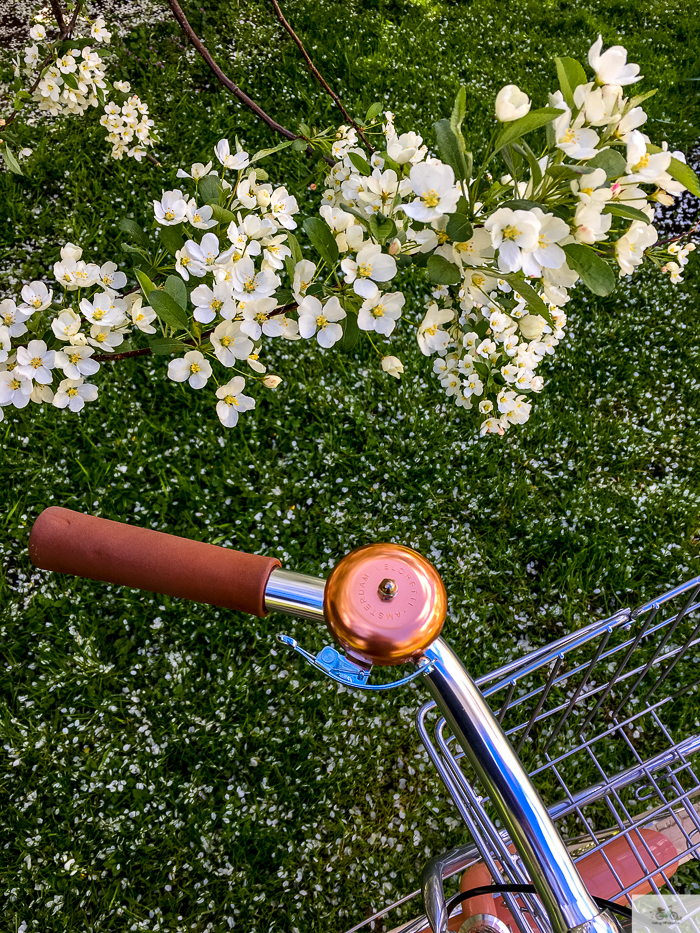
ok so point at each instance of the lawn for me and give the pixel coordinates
(169, 767)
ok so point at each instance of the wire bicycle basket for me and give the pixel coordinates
(593, 719)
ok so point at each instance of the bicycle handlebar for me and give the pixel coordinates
(87, 546)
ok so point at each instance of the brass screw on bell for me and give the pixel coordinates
(387, 589)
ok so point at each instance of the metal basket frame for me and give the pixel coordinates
(558, 713)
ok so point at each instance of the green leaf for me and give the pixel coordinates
(373, 112)
(299, 145)
(520, 204)
(293, 244)
(139, 250)
(443, 272)
(381, 229)
(459, 111)
(453, 150)
(355, 213)
(595, 273)
(351, 332)
(10, 160)
(71, 81)
(535, 170)
(209, 189)
(132, 229)
(177, 289)
(531, 121)
(305, 130)
(534, 302)
(264, 153)
(564, 172)
(167, 309)
(165, 346)
(172, 238)
(459, 229)
(640, 98)
(685, 175)
(322, 239)
(221, 214)
(362, 165)
(570, 74)
(284, 296)
(146, 285)
(512, 160)
(611, 160)
(623, 210)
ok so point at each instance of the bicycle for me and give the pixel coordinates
(589, 707)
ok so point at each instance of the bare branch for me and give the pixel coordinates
(58, 15)
(317, 74)
(228, 83)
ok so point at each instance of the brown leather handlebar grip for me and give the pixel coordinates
(87, 546)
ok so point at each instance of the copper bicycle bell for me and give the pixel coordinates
(384, 604)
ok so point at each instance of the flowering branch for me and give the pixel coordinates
(576, 205)
(317, 74)
(66, 33)
(225, 80)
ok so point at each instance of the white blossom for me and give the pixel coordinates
(511, 233)
(35, 362)
(171, 209)
(393, 366)
(282, 207)
(15, 389)
(322, 320)
(437, 193)
(192, 368)
(431, 337)
(236, 162)
(369, 266)
(73, 393)
(381, 312)
(13, 318)
(208, 302)
(75, 362)
(200, 217)
(230, 343)
(36, 296)
(629, 249)
(232, 401)
(511, 103)
(142, 317)
(611, 66)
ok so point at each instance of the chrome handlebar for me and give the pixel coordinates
(545, 857)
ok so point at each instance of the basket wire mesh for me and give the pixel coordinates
(596, 719)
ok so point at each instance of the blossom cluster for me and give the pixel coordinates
(573, 206)
(498, 254)
(69, 77)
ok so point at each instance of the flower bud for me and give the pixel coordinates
(394, 247)
(263, 197)
(661, 197)
(531, 326)
(78, 340)
(393, 366)
(271, 382)
(511, 103)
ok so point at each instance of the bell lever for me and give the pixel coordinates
(344, 671)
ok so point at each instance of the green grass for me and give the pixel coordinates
(198, 775)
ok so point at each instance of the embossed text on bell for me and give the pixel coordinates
(376, 629)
